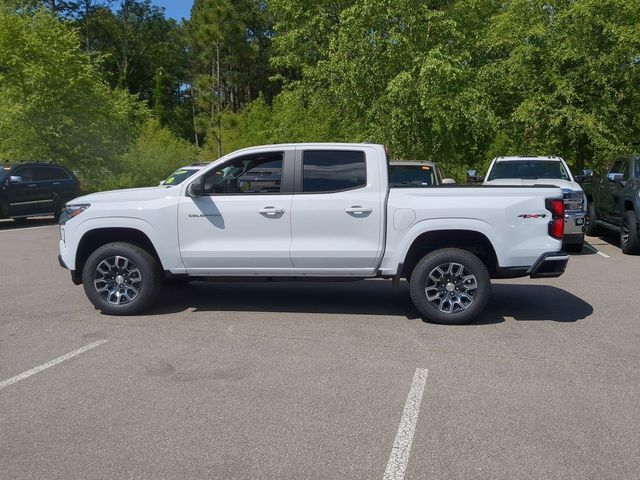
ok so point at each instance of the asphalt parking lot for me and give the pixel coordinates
(318, 380)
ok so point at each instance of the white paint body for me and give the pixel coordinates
(362, 232)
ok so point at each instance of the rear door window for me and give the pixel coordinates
(50, 174)
(326, 171)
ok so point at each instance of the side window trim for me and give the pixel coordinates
(286, 181)
(299, 170)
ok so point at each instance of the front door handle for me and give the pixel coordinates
(358, 211)
(271, 211)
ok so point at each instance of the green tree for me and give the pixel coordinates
(54, 104)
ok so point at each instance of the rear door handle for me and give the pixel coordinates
(32, 185)
(357, 210)
(271, 211)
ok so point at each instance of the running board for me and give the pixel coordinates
(610, 226)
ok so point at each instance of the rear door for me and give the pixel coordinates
(337, 211)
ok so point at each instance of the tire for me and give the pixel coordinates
(136, 268)
(629, 237)
(590, 227)
(445, 273)
(573, 247)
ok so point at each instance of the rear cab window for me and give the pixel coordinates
(409, 176)
(329, 171)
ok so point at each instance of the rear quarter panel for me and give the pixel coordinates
(492, 211)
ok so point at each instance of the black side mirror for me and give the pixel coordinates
(196, 189)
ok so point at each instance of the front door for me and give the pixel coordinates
(611, 193)
(241, 225)
(337, 212)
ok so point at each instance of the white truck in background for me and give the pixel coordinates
(312, 211)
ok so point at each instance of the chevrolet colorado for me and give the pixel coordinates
(312, 211)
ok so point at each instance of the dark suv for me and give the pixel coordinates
(33, 189)
(614, 202)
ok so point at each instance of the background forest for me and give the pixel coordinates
(123, 95)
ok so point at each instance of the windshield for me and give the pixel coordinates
(411, 176)
(528, 169)
(178, 177)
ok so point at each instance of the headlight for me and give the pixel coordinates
(71, 211)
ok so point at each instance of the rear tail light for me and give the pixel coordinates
(556, 225)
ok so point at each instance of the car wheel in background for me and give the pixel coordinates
(590, 227)
(121, 279)
(629, 237)
(450, 286)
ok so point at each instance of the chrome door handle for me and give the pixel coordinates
(32, 185)
(358, 210)
(271, 211)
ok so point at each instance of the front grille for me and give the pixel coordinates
(573, 201)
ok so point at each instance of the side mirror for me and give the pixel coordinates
(448, 181)
(615, 177)
(196, 189)
(473, 177)
(15, 179)
(161, 183)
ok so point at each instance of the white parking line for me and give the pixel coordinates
(26, 228)
(50, 363)
(399, 457)
(595, 250)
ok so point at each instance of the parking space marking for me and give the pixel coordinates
(26, 228)
(50, 363)
(598, 251)
(399, 457)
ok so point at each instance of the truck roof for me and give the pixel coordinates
(310, 144)
(537, 159)
(413, 162)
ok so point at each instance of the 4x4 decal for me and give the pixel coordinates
(533, 215)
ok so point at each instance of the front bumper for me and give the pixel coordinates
(549, 265)
(574, 223)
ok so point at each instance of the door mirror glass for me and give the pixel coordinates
(15, 179)
(615, 177)
(196, 189)
(448, 181)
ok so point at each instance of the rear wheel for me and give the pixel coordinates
(450, 286)
(590, 227)
(121, 279)
(629, 237)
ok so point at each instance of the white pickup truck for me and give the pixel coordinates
(312, 211)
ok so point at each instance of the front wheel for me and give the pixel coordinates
(450, 286)
(591, 227)
(629, 235)
(121, 279)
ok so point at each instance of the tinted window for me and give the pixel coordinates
(28, 174)
(528, 169)
(617, 167)
(411, 175)
(251, 174)
(637, 168)
(50, 173)
(331, 171)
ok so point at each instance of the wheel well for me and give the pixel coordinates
(94, 239)
(628, 205)
(471, 241)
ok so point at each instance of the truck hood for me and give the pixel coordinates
(127, 195)
(564, 184)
